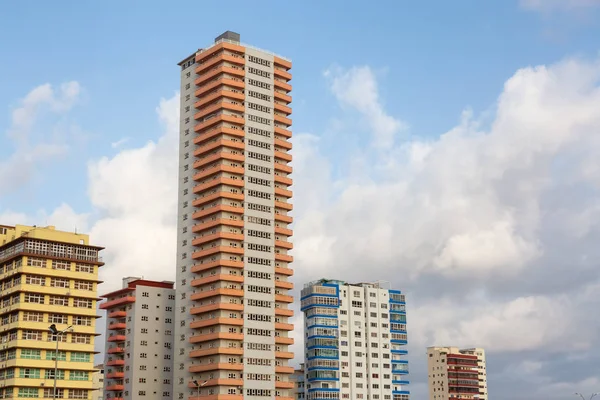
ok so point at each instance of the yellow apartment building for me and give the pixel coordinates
(48, 277)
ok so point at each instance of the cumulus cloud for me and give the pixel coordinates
(31, 150)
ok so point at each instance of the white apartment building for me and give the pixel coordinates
(98, 382)
(138, 363)
(456, 373)
(233, 267)
(355, 337)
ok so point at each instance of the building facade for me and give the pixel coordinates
(233, 266)
(48, 277)
(456, 373)
(298, 379)
(98, 382)
(355, 337)
(139, 340)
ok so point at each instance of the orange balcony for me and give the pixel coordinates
(283, 192)
(235, 83)
(283, 167)
(116, 338)
(217, 321)
(115, 375)
(217, 263)
(284, 271)
(283, 326)
(284, 354)
(216, 236)
(283, 179)
(211, 197)
(202, 187)
(283, 156)
(115, 362)
(284, 370)
(217, 106)
(222, 69)
(218, 382)
(218, 119)
(115, 388)
(284, 231)
(209, 146)
(283, 143)
(284, 218)
(282, 96)
(217, 131)
(218, 169)
(284, 298)
(283, 132)
(216, 94)
(117, 326)
(280, 62)
(215, 278)
(219, 156)
(115, 350)
(282, 74)
(117, 302)
(218, 306)
(117, 314)
(216, 209)
(284, 385)
(216, 55)
(284, 285)
(217, 292)
(284, 245)
(283, 398)
(284, 312)
(282, 85)
(284, 340)
(217, 249)
(221, 221)
(284, 257)
(284, 109)
(216, 350)
(214, 336)
(216, 366)
(282, 120)
(285, 206)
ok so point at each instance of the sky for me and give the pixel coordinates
(450, 148)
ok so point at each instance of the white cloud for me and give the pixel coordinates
(357, 88)
(119, 142)
(30, 151)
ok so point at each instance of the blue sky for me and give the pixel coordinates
(448, 147)
(434, 59)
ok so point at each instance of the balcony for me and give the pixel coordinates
(117, 326)
(115, 388)
(116, 338)
(115, 363)
(115, 350)
(117, 302)
(115, 375)
(117, 314)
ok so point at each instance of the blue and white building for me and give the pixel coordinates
(355, 341)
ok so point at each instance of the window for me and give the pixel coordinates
(33, 316)
(59, 282)
(78, 376)
(31, 354)
(80, 338)
(57, 318)
(59, 301)
(62, 356)
(35, 280)
(36, 262)
(29, 373)
(34, 298)
(84, 268)
(82, 321)
(31, 335)
(78, 394)
(80, 357)
(84, 285)
(49, 393)
(29, 393)
(61, 265)
(82, 303)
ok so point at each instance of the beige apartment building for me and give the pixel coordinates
(456, 373)
(233, 267)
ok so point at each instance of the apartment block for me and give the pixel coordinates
(233, 262)
(456, 373)
(355, 338)
(139, 340)
(98, 382)
(298, 379)
(49, 284)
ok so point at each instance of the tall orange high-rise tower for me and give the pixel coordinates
(233, 266)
